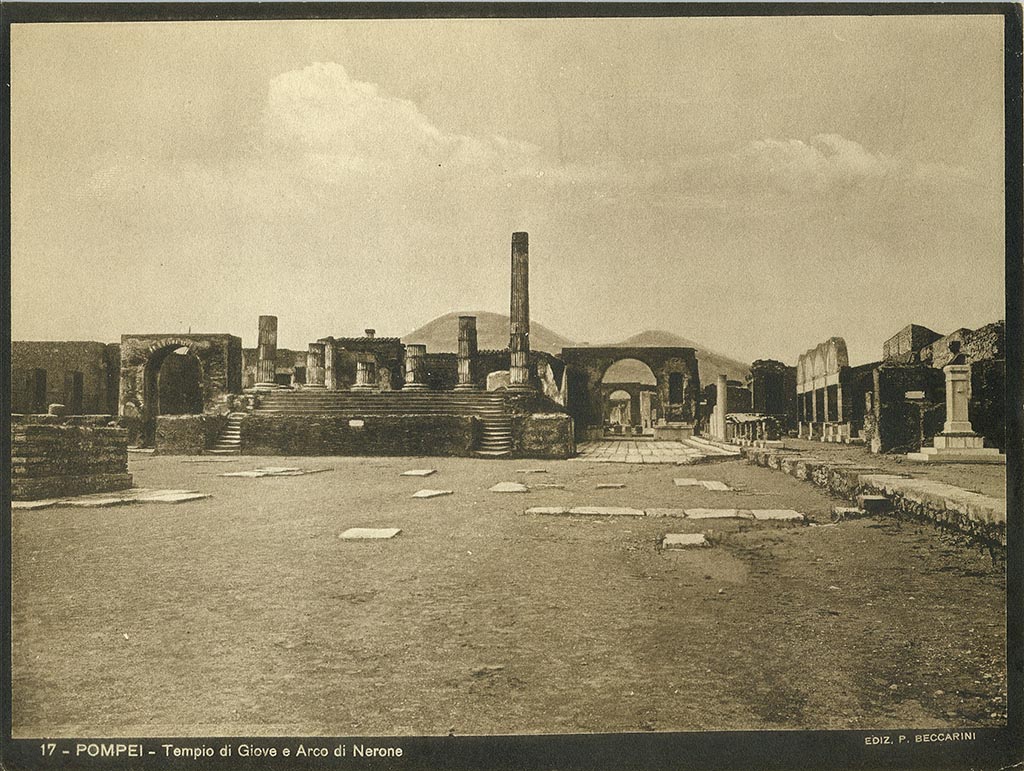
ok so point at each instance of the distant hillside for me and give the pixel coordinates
(709, 363)
(442, 334)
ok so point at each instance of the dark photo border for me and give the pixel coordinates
(994, 747)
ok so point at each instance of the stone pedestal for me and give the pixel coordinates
(519, 314)
(366, 376)
(414, 368)
(958, 443)
(266, 363)
(315, 366)
(467, 353)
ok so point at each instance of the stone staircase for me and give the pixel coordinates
(230, 440)
(488, 406)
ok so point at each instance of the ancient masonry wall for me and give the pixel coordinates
(96, 364)
(53, 457)
(543, 436)
(979, 516)
(187, 434)
(306, 434)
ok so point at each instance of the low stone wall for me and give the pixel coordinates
(543, 436)
(979, 516)
(187, 434)
(306, 434)
(53, 457)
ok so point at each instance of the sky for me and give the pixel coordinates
(755, 184)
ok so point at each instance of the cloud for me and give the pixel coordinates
(342, 126)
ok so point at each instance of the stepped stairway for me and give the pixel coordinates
(488, 406)
(230, 440)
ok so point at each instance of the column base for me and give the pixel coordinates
(415, 387)
(467, 387)
(360, 388)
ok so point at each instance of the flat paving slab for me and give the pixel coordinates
(778, 514)
(431, 493)
(684, 541)
(707, 484)
(610, 486)
(274, 471)
(369, 533)
(718, 514)
(606, 511)
(555, 511)
(531, 471)
(680, 513)
(419, 472)
(117, 498)
(509, 487)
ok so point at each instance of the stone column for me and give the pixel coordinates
(365, 375)
(330, 367)
(721, 404)
(414, 368)
(315, 366)
(958, 397)
(467, 353)
(519, 315)
(266, 363)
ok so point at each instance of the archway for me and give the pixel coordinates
(173, 385)
(630, 398)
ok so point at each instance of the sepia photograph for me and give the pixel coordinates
(519, 386)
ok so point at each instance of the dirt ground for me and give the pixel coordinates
(984, 478)
(244, 614)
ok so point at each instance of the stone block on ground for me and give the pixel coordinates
(369, 533)
(419, 472)
(679, 513)
(509, 487)
(172, 496)
(717, 486)
(531, 471)
(610, 486)
(431, 493)
(839, 513)
(605, 511)
(874, 504)
(549, 510)
(718, 514)
(684, 540)
(33, 505)
(778, 514)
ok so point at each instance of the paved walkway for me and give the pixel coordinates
(648, 451)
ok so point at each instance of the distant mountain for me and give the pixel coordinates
(709, 363)
(442, 334)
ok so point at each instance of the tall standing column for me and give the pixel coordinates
(519, 315)
(414, 368)
(366, 374)
(330, 366)
(467, 353)
(266, 363)
(721, 405)
(315, 366)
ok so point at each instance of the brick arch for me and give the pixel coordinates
(585, 369)
(220, 365)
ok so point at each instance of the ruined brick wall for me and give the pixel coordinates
(772, 388)
(902, 347)
(543, 436)
(440, 371)
(51, 457)
(371, 435)
(895, 425)
(187, 434)
(987, 409)
(60, 360)
(287, 365)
